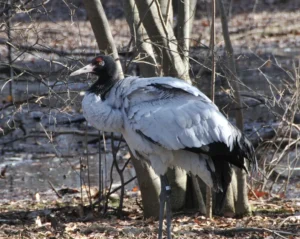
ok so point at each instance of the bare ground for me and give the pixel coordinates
(273, 218)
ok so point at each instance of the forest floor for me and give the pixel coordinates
(38, 218)
(266, 34)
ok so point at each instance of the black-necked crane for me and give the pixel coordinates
(168, 123)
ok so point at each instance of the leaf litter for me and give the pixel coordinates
(68, 219)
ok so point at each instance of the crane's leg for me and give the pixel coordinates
(165, 199)
(161, 214)
(162, 201)
(169, 212)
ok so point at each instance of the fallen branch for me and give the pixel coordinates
(118, 188)
(52, 187)
(114, 190)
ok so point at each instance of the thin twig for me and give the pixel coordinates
(52, 187)
(120, 172)
(88, 166)
(213, 80)
(100, 169)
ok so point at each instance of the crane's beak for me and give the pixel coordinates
(86, 69)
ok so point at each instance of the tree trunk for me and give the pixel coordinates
(242, 205)
(149, 182)
(165, 45)
(178, 181)
(183, 35)
(146, 58)
(166, 7)
(229, 209)
(162, 37)
(199, 195)
(179, 9)
(102, 31)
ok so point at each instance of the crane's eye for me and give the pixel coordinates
(101, 63)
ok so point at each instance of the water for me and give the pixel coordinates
(27, 175)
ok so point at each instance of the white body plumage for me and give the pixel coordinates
(159, 118)
(168, 123)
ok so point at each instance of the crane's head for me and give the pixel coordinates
(102, 66)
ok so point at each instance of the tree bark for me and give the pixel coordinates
(200, 201)
(102, 31)
(162, 36)
(231, 197)
(242, 204)
(178, 181)
(179, 8)
(146, 59)
(148, 181)
(149, 190)
(183, 35)
(165, 45)
(166, 7)
(242, 207)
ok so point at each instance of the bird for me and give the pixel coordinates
(167, 123)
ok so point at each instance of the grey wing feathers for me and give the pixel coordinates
(179, 117)
(134, 83)
(176, 120)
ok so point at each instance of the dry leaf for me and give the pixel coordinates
(205, 23)
(9, 98)
(260, 193)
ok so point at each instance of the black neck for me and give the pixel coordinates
(104, 84)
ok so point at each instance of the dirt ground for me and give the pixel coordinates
(38, 218)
